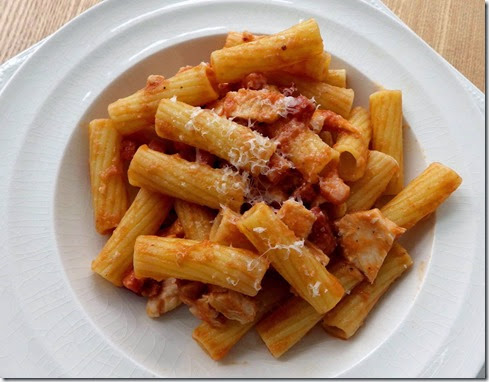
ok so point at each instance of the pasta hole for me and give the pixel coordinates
(337, 332)
(212, 78)
(347, 166)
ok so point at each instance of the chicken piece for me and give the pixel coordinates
(366, 237)
(297, 217)
(217, 106)
(232, 305)
(190, 291)
(330, 121)
(333, 188)
(144, 287)
(132, 283)
(285, 132)
(306, 193)
(258, 105)
(322, 233)
(301, 108)
(304, 148)
(192, 294)
(151, 288)
(254, 81)
(278, 168)
(203, 310)
(166, 300)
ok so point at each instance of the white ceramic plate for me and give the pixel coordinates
(58, 319)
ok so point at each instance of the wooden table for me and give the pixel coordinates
(454, 28)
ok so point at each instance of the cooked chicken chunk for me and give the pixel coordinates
(165, 301)
(366, 237)
(233, 305)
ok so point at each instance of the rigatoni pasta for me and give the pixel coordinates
(328, 97)
(255, 179)
(353, 147)
(196, 220)
(286, 325)
(347, 317)
(422, 195)
(217, 342)
(315, 67)
(225, 230)
(143, 217)
(232, 268)
(238, 144)
(291, 258)
(293, 45)
(336, 77)
(193, 182)
(386, 117)
(297, 217)
(306, 150)
(195, 86)
(365, 191)
(109, 194)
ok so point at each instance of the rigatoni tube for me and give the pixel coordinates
(190, 181)
(292, 45)
(422, 195)
(315, 67)
(336, 77)
(109, 195)
(290, 257)
(347, 317)
(218, 341)
(225, 230)
(304, 148)
(143, 217)
(195, 86)
(233, 268)
(365, 191)
(286, 325)
(204, 129)
(297, 217)
(386, 118)
(353, 147)
(196, 220)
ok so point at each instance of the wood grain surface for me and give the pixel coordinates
(454, 28)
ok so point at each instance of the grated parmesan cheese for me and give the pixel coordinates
(231, 281)
(296, 246)
(315, 288)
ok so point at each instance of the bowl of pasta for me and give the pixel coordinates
(252, 199)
